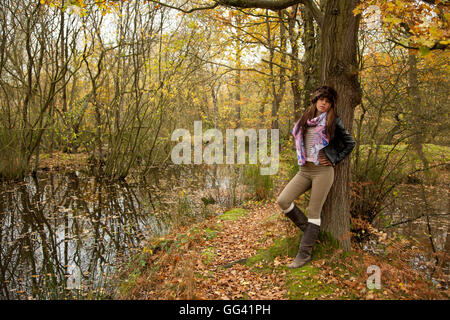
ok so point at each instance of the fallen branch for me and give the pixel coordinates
(415, 218)
(240, 261)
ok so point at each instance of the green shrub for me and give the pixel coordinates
(13, 160)
(378, 169)
(260, 185)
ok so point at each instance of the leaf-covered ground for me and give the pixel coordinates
(244, 253)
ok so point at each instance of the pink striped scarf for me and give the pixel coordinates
(320, 139)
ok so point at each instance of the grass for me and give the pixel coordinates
(210, 233)
(301, 283)
(281, 246)
(430, 150)
(434, 154)
(233, 214)
(208, 255)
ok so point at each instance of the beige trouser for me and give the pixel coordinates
(317, 178)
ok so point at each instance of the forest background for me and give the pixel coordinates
(110, 81)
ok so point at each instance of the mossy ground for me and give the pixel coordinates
(233, 214)
(301, 283)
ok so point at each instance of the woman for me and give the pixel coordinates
(321, 142)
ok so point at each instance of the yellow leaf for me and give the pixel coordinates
(357, 10)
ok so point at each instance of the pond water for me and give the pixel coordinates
(422, 214)
(62, 234)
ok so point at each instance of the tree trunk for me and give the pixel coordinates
(238, 90)
(295, 68)
(277, 93)
(339, 69)
(418, 136)
(237, 80)
(262, 107)
(310, 61)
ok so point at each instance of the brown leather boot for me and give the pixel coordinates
(298, 218)
(304, 252)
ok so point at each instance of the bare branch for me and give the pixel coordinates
(261, 4)
(436, 46)
(274, 5)
(212, 6)
(248, 4)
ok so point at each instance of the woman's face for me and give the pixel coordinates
(323, 105)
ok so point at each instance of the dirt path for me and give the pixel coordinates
(207, 261)
(240, 239)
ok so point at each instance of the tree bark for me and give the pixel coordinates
(310, 61)
(339, 69)
(237, 79)
(277, 93)
(295, 67)
(415, 99)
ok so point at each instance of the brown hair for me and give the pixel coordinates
(310, 112)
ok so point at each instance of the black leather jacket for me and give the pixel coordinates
(341, 145)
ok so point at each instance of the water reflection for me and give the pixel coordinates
(423, 217)
(61, 235)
